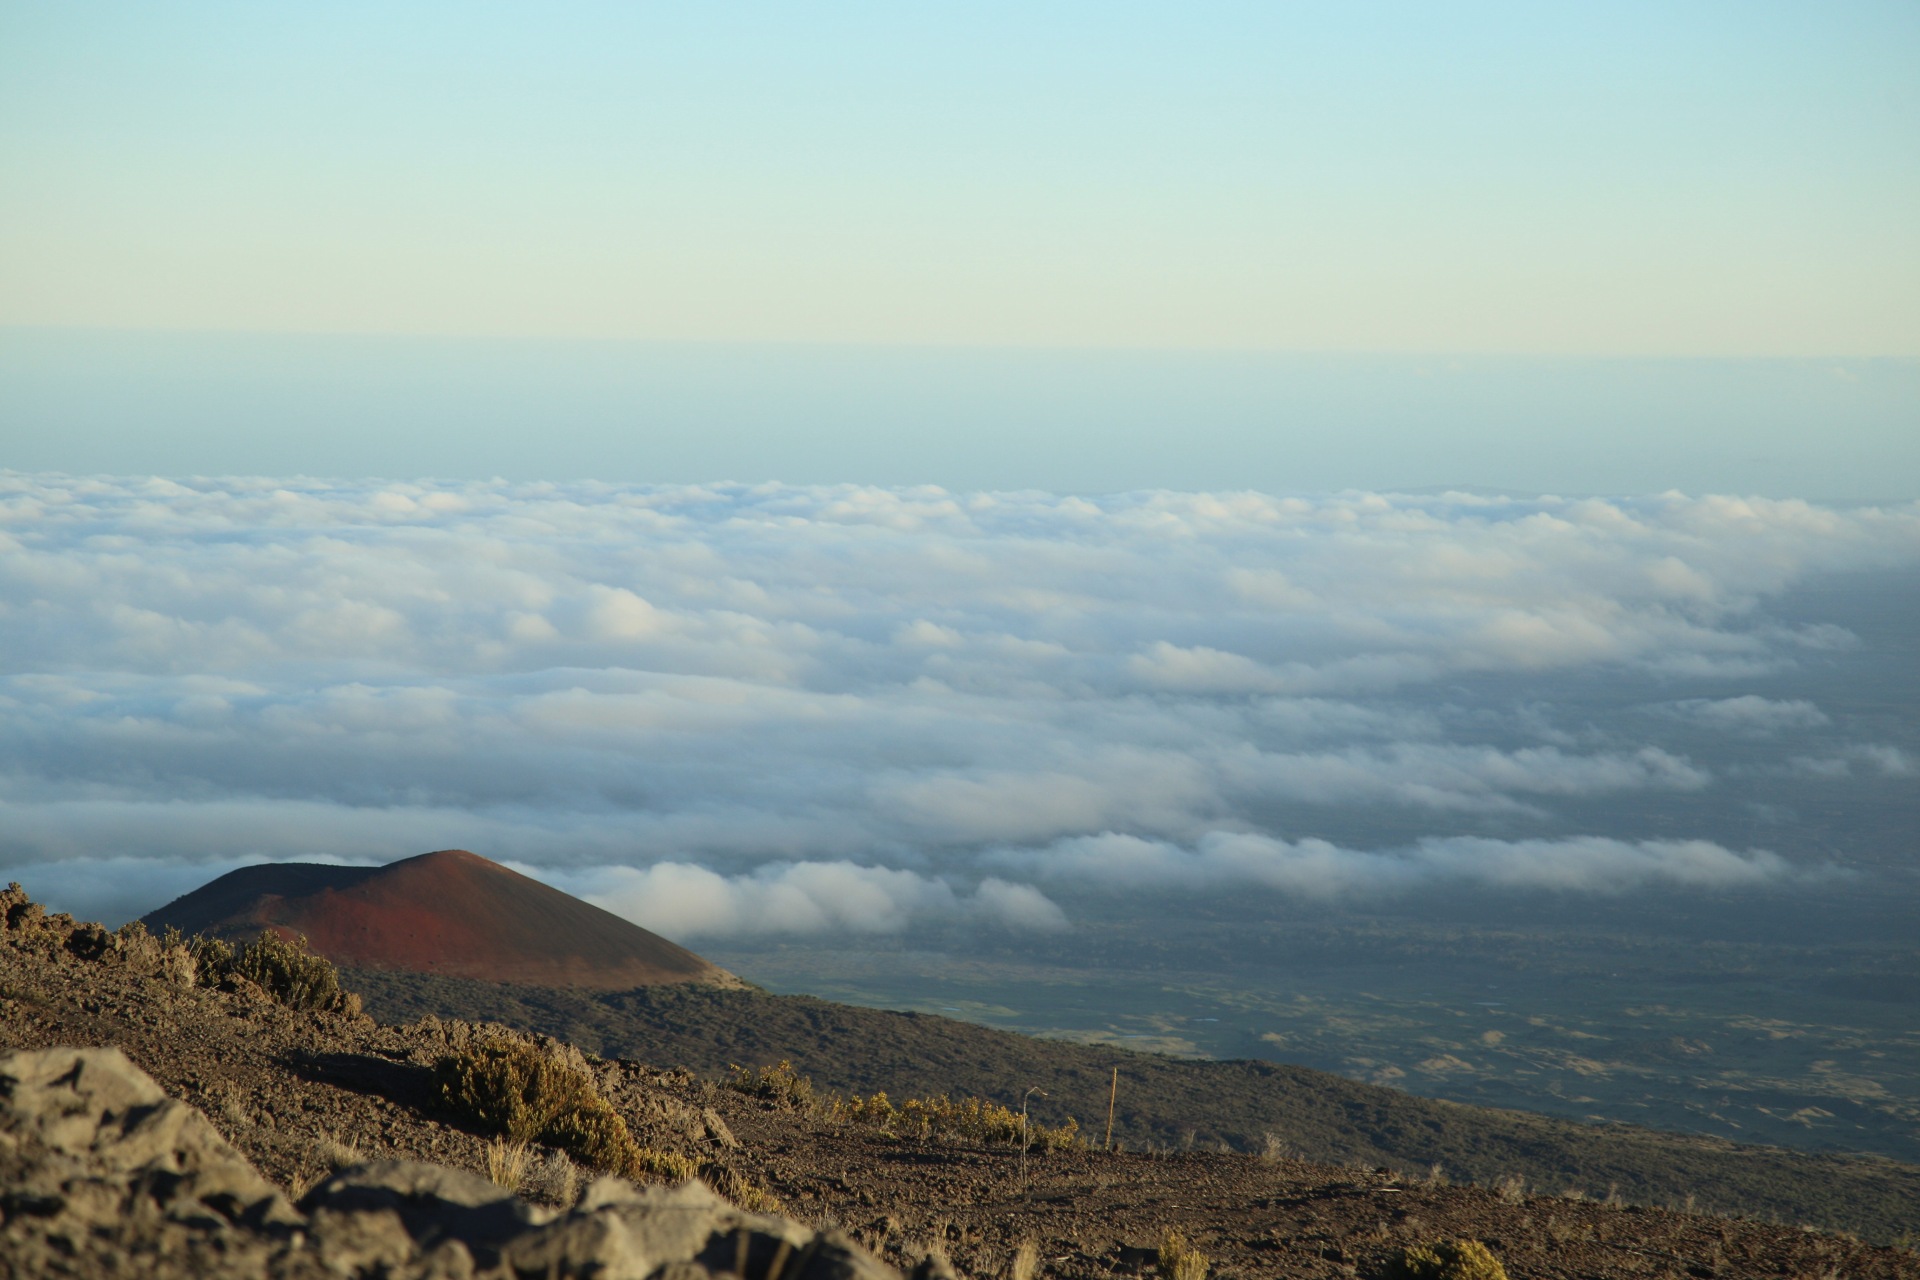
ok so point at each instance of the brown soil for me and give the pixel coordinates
(283, 1085)
(451, 913)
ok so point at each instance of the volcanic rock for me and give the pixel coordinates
(450, 913)
(102, 1174)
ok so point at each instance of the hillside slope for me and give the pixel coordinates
(300, 1093)
(1173, 1104)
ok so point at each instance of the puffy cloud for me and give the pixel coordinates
(682, 901)
(1748, 713)
(1224, 860)
(758, 688)
(1448, 777)
(1871, 759)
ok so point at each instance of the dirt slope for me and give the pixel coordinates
(451, 913)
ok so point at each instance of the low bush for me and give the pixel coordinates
(289, 972)
(779, 1084)
(969, 1119)
(521, 1093)
(512, 1089)
(1447, 1260)
(1178, 1259)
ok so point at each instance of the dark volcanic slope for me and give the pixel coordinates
(449, 913)
(1175, 1103)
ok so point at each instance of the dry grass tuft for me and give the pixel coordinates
(555, 1180)
(1446, 1260)
(335, 1156)
(779, 1084)
(1026, 1262)
(507, 1163)
(1179, 1260)
(970, 1119)
(1274, 1149)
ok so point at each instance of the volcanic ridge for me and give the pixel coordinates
(449, 913)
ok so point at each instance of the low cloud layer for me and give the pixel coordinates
(804, 898)
(791, 710)
(1748, 713)
(1320, 870)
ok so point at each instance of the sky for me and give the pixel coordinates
(782, 469)
(1641, 179)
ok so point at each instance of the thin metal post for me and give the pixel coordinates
(1113, 1093)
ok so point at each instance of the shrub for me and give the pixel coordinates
(730, 1183)
(513, 1089)
(1179, 1260)
(212, 957)
(779, 1084)
(510, 1088)
(971, 1119)
(289, 972)
(1447, 1260)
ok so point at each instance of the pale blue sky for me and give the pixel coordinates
(1078, 246)
(1628, 179)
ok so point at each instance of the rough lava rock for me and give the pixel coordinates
(102, 1174)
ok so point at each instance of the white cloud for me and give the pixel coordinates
(1748, 714)
(1871, 759)
(737, 678)
(1448, 777)
(682, 901)
(1223, 860)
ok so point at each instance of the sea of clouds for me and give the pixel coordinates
(740, 710)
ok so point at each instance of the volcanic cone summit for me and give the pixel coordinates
(451, 913)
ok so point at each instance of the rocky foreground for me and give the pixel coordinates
(106, 1175)
(227, 1134)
